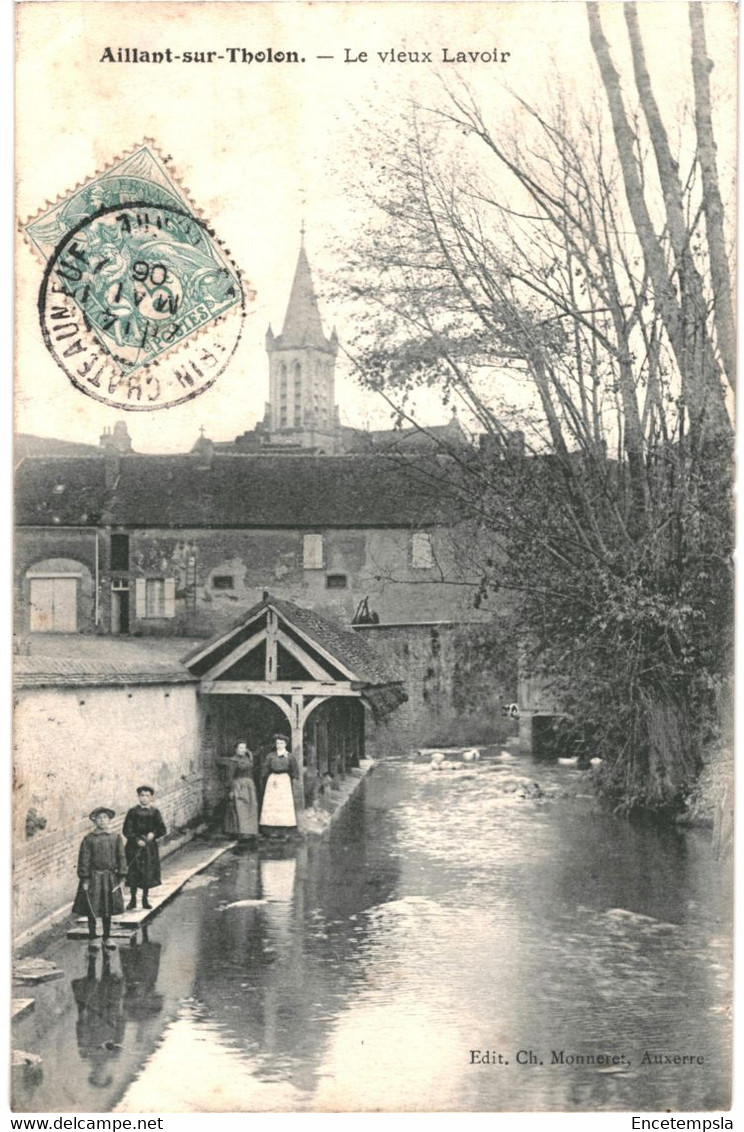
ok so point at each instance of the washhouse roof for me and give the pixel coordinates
(355, 658)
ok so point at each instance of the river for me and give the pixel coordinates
(450, 914)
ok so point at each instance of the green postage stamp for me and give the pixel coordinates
(139, 305)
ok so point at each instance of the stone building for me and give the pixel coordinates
(128, 566)
(90, 726)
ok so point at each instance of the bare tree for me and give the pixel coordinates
(679, 294)
(720, 275)
(531, 259)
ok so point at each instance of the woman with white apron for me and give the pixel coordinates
(278, 814)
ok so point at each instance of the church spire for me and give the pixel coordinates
(301, 366)
(302, 322)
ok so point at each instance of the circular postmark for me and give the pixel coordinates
(141, 307)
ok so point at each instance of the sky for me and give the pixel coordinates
(263, 148)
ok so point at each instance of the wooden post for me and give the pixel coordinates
(297, 751)
(271, 649)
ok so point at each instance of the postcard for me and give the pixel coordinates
(373, 566)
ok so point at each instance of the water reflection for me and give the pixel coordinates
(271, 968)
(449, 912)
(100, 1021)
(140, 964)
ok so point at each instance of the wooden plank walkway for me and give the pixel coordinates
(174, 878)
(80, 931)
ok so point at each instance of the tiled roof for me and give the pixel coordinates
(435, 438)
(241, 491)
(26, 444)
(352, 651)
(45, 671)
(60, 490)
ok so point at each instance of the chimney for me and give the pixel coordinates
(121, 439)
(515, 444)
(491, 445)
(116, 439)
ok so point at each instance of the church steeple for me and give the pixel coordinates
(302, 323)
(301, 365)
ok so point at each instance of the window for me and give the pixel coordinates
(223, 582)
(53, 604)
(312, 552)
(155, 597)
(336, 581)
(155, 593)
(120, 552)
(422, 557)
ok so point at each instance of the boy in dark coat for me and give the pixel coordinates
(142, 826)
(101, 869)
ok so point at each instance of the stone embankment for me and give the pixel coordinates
(331, 805)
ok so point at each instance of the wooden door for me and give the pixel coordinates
(53, 605)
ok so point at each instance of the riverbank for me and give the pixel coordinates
(38, 976)
(318, 820)
(35, 934)
(39, 986)
(711, 801)
(272, 965)
(313, 822)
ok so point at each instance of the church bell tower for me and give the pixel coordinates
(302, 364)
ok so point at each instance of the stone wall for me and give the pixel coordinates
(456, 676)
(79, 747)
(221, 573)
(215, 575)
(47, 550)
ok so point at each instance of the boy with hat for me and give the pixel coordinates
(101, 868)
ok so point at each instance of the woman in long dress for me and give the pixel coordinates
(278, 812)
(241, 816)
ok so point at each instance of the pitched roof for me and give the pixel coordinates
(60, 490)
(347, 646)
(434, 438)
(297, 492)
(26, 444)
(344, 645)
(302, 322)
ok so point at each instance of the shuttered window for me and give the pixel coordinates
(422, 556)
(119, 552)
(155, 597)
(312, 552)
